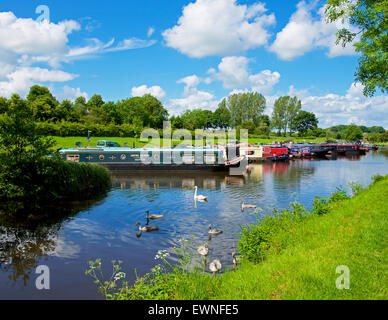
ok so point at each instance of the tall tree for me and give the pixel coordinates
(244, 107)
(284, 113)
(369, 17)
(353, 133)
(221, 117)
(42, 103)
(305, 121)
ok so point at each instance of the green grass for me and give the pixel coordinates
(353, 233)
(300, 260)
(69, 142)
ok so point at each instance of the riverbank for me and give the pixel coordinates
(69, 142)
(300, 259)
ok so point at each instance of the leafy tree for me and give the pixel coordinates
(21, 150)
(244, 107)
(177, 122)
(376, 129)
(3, 105)
(80, 106)
(353, 133)
(370, 18)
(43, 104)
(305, 121)
(222, 117)
(284, 113)
(110, 108)
(95, 101)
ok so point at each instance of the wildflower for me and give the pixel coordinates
(119, 275)
(162, 254)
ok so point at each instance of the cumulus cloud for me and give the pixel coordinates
(25, 42)
(192, 97)
(27, 36)
(155, 91)
(234, 74)
(21, 79)
(219, 27)
(69, 93)
(352, 107)
(306, 31)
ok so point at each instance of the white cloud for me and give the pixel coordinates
(150, 31)
(155, 91)
(194, 100)
(234, 74)
(333, 109)
(219, 27)
(192, 97)
(27, 36)
(20, 80)
(69, 93)
(305, 32)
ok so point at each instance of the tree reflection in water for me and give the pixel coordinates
(29, 232)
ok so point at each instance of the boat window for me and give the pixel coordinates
(72, 157)
(100, 144)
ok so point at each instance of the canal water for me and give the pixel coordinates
(65, 237)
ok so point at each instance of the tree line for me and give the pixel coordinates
(128, 117)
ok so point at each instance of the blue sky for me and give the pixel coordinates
(189, 54)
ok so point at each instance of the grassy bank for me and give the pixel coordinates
(293, 255)
(69, 142)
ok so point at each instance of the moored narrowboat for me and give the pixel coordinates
(113, 156)
(275, 152)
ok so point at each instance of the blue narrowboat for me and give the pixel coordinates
(113, 156)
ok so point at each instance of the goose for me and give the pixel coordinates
(215, 266)
(147, 228)
(247, 206)
(199, 197)
(203, 250)
(214, 231)
(154, 216)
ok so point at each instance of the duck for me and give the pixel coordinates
(147, 228)
(199, 197)
(215, 266)
(203, 250)
(247, 206)
(214, 232)
(154, 216)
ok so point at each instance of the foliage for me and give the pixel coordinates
(368, 19)
(353, 133)
(159, 284)
(284, 113)
(29, 171)
(305, 121)
(243, 107)
(257, 241)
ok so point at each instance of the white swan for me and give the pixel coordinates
(215, 266)
(203, 250)
(247, 206)
(199, 197)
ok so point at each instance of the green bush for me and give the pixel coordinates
(256, 240)
(49, 179)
